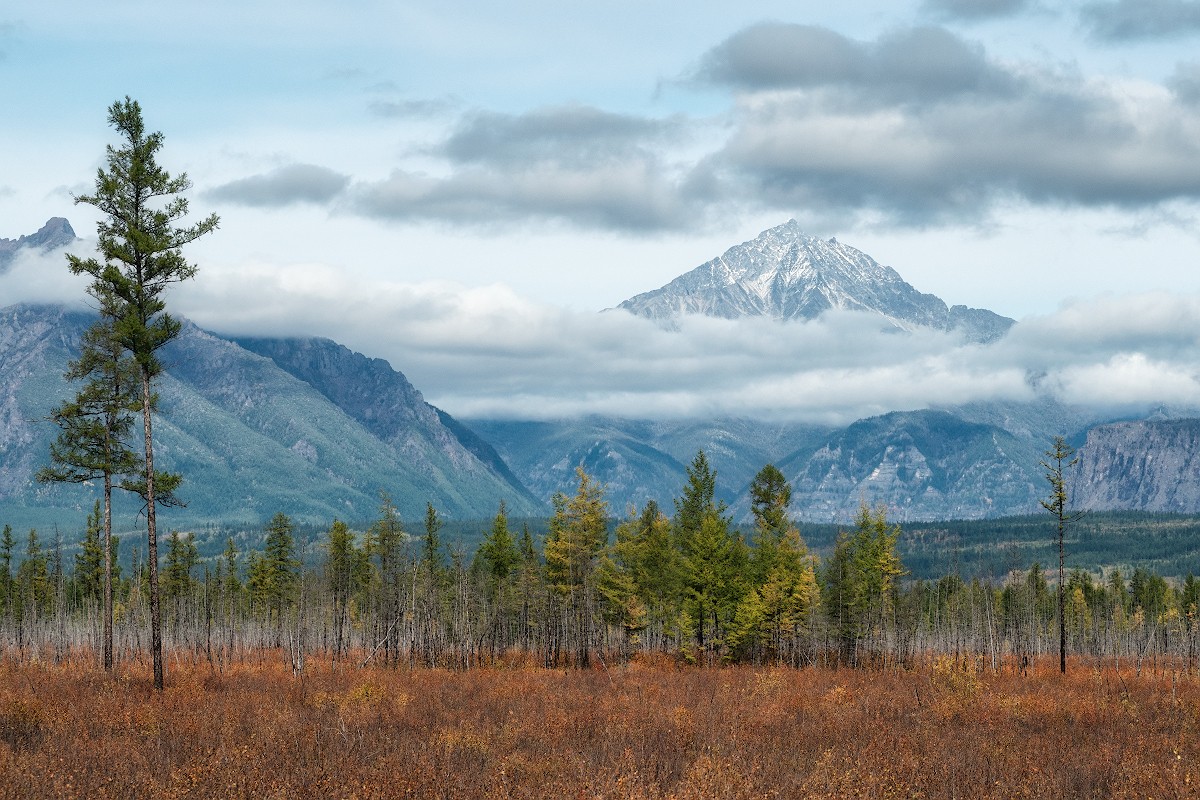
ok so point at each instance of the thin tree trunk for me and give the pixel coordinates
(152, 538)
(1062, 602)
(108, 598)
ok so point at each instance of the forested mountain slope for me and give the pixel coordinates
(250, 437)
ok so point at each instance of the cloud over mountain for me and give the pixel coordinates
(487, 351)
(923, 127)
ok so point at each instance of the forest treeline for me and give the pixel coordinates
(688, 583)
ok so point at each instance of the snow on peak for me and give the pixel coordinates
(786, 274)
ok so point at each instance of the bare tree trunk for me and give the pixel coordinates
(152, 537)
(1062, 601)
(108, 597)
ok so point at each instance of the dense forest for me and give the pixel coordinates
(689, 584)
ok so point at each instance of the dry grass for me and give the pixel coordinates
(648, 730)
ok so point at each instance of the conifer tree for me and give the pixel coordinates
(282, 568)
(698, 499)
(645, 550)
(346, 572)
(7, 543)
(33, 578)
(432, 550)
(498, 551)
(859, 580)
(386, 542)
(772, 614)
(714, 559)
(95, 428)
(182, 557)
(715, 563)
(89, 561)
(770, 496)
(578, 535)
(1058, 459)
(621, 604)
(432, 576)
(140, 244)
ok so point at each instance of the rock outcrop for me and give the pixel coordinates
(57, 232)
(1149, 465)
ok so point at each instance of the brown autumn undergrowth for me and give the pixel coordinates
(646, 730)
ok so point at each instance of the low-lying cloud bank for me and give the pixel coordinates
(484, 351)
(487, 352)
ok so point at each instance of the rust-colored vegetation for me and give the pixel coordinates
(648, 729)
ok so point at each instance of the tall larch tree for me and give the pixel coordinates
(140, 243)
(784, 592)
(1059, 458)
(859, 581)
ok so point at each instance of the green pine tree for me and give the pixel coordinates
(140, 245)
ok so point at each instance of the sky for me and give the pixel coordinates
(459, 187)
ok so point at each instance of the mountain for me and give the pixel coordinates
(386, 404)
(1147, 465)
(641, 460)
(57, 232)
(786, 275)
(922, 465)
(316, 438)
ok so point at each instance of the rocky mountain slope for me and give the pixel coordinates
(250, 437)
(922, 465)
(57, 232)
(386, 404)
(641, 460)
(785, 274)
(1148, 465)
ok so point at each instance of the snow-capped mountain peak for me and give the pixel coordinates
(785, 274)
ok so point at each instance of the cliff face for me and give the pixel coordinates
(1150, 465)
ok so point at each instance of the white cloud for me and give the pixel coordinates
(39, 277)
(486, 351)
